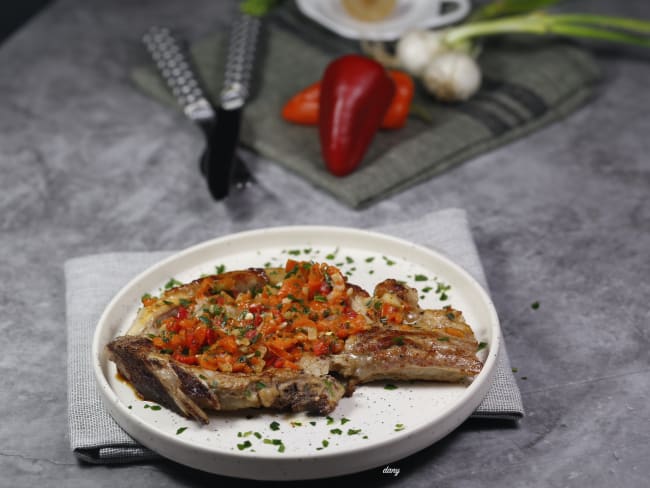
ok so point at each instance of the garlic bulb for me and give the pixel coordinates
(452, 76)
(416, 48)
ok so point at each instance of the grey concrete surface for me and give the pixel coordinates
(88, 164)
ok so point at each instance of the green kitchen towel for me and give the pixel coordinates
(527, 84)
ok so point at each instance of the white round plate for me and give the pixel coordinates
(407, 15)
(374, 427)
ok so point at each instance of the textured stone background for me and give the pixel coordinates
(88, 164)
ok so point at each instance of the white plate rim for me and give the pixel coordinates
(295, 467)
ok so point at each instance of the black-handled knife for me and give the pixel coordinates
(221, 126)
(222, 162)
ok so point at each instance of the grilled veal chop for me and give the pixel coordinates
(296, 338)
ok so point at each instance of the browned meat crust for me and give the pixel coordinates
(189, 391)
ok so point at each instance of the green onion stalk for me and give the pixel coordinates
(445, 59)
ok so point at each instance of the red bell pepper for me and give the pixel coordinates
(303, 107)
(355, 95)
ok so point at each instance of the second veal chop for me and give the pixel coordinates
(299, 338)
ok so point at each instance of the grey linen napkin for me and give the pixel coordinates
(92, 281)
(527, 84)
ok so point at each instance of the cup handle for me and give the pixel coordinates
(463, 8)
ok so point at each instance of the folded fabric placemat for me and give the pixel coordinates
(527, 84)
(92, 281)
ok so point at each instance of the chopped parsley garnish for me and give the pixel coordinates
(244, 445)
(390, 386)
(442, 287)
(336, 431)
(353, 431)
(443, 339)
(180, 430)
(399, 427)
(173, 282)
(332, 255)
(344, 421)
(399, 340)
(534, 305)
(275, 442)
(324, 444)
(442, 290)
(420, 277)
(220, 268)
(274, 425)
(481, 345)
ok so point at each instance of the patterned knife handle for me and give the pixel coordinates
(173, 66)
(239, 61)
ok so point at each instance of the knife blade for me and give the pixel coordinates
(242, 47)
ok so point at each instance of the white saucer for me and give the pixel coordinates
(408, 14)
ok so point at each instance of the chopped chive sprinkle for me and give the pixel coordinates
(399, 427)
